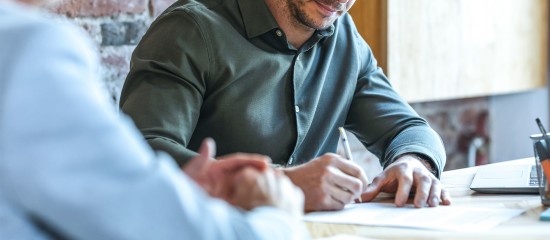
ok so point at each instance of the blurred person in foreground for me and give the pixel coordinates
(71, 168)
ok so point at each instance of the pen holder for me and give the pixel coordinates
(542, 160)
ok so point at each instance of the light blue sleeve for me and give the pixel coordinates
(68, 161)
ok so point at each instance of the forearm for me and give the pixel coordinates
(387, 125)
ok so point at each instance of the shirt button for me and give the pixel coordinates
(297, 108)
(290, 160)
(279, 33)
(298, 58)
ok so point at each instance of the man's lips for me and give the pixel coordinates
(327, 8)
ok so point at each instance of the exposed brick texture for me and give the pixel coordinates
(458, 122)
(100, 8)
(115, 27)
(115, 63)
(122, 33)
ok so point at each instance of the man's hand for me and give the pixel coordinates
(329, 182)
(216, 177)
(409, 175)
(244, 180)
(267, 188)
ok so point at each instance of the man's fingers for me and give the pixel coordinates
(206, 152)
(435, 194)
(424, 186)
(344, 181)
(445, 197)
(249, 156)
(341, 195)
(248, 190)
(405, 176)
(405, 183)
(334, 198)
(208, 148)
(352, 169)
(237, 161)
(373, 188)
(268, 188)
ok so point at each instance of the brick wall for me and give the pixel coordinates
(115, 26)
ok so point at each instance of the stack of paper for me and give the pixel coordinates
(446, 218)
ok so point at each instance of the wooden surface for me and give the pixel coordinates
(444, 49)
(370, 17)
(524, 227)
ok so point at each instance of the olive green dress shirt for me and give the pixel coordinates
(224, 69)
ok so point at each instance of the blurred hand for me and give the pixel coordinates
(267, 188)
(216, 176)
(405, 176)
(329, 182)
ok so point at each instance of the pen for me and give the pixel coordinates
(347, 150)
(345, 142)
(541, 128)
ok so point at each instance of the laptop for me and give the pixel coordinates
(505, 179)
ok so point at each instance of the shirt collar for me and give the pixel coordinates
(257, 17)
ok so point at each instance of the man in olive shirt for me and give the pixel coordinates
(278, 77)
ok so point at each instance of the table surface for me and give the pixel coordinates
(525, 227)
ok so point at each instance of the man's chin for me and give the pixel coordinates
(324, 26)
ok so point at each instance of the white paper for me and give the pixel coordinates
(445, 218)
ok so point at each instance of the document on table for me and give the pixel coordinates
(445, 218)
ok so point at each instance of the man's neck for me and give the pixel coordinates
(297, 34)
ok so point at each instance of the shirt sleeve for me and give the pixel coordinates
(164, 90)
(385, 123)
(70, 162)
